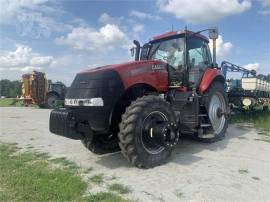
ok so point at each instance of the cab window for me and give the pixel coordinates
(198, 59)
(169, 51)
(198, 54)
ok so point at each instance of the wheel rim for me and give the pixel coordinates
(149, 144)
(51, 101)
(217, 107)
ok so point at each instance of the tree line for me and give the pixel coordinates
(10, 89)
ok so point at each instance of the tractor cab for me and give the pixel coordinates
(186, 54)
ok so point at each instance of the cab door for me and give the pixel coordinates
(199, 58)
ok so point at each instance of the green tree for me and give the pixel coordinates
(10, 89)
(268, 77)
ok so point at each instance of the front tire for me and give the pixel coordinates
(138, 147)
(101, 144)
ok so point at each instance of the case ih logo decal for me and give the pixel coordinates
(157, 67)
(143, 69)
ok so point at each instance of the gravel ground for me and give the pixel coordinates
(234, 169)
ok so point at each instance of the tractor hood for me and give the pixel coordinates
(149, 72)
(113, 80)
(125, 67)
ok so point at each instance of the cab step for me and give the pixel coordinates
(202, 115)
(206, 125)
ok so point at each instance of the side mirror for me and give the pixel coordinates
(132, 51)
(213, 33)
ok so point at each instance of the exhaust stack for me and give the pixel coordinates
(137, 51)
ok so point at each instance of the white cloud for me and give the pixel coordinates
(222, 48)
(23, 59)
(41, 60)
(265, 4)
(79, 22)
(144, 16)
(107, 19)
(138, 28)
(252, 66)
(88, 39)
(203, 11)
(11, 9)
(264, 12)
(33, 18)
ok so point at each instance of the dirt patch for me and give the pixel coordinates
(193, 170)
(15, 117)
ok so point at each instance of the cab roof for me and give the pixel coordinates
(176, 33)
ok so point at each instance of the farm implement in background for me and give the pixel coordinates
(36, 89)
(250, 90)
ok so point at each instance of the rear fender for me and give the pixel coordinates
(209, 76)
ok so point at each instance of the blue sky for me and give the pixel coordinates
(62, 38)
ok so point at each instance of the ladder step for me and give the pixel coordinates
(202, 115)
(195, 115)
(207, 136)
(206, 125)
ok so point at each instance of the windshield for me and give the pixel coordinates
(169, 51)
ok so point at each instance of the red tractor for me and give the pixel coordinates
(143, 107)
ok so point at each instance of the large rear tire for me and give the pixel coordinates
(216, 103)
(138, 147)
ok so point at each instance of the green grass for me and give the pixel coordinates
(64, 162)
(258, 118)
(13, 102)
(10, 102)
(88, 170)
(121, 189)
(97, 179)
(106, 197)
(255, 178)
(179, 194)
(29, 176)
(243, 171)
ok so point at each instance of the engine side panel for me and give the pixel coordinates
(153, 73)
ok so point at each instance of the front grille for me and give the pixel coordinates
(95, 84)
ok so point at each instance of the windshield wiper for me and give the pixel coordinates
(154, 51)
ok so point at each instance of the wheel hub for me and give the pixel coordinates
(158, 133)
(217, 112)
(164, 133)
